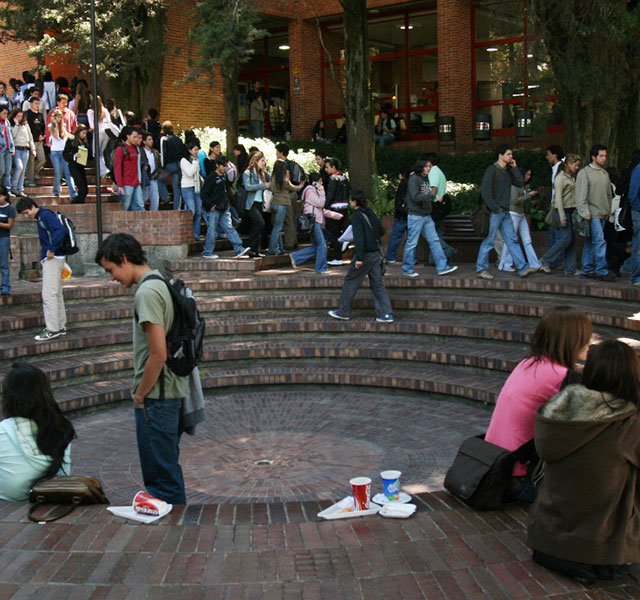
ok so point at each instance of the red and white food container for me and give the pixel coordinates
(361, 487)
(148, 505)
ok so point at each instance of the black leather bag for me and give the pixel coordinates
(439, 210)
(481, 472)
(68, 490)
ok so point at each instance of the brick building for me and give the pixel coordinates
(432, 58)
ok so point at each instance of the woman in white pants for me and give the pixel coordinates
(104, 123)
(518, 198)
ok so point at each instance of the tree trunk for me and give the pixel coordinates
(360, 144)
(229, 75)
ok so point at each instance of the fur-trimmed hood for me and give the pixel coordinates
(574, 417)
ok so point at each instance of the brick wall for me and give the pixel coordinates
(157, 228)
(13, 60)
(194, 104)
(84, 216)
(454, 64)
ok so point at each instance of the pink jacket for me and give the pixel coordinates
(314, 200)
(531, 385)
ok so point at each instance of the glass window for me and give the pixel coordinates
(500, 72)
(423, 80)
(423, 31)
(388, 81)
(499, 20)
(386, 35)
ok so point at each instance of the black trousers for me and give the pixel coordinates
(80, 181)
(333, 230)
(254, 216)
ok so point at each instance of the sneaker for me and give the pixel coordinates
(46, 335)
(545, 267)
(335, 263)
(243, 252)
(484, 275)
(608, 277)
(572, 273)
(334, 314)
(528, 271)
(413, 274)
(588, 275)
(29, 184)
(63, 331)
(391, 262)
(294, 264)
(448, 270)
(385, 319)
(329, 273)
(210, 256)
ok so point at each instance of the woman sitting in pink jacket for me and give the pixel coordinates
(313, 197)
(559, 341)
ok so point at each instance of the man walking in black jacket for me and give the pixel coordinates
(367, 231)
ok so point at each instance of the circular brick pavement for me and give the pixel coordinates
(317, 440)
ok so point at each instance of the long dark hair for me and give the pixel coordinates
(26, 393)
(613, 366)
(279, 173)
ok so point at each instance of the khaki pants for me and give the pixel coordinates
(34, 166)
(291, 223)
(55, 317)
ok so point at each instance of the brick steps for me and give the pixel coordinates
(482, 388)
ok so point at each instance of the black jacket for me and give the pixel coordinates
(365, 237)
(215, 192)
(172, 149)
(338, 190)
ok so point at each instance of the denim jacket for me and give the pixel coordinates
(254, 187)
(3, 141)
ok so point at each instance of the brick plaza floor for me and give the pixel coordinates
(252, 532)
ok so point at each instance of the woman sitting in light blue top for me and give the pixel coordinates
(35, 437)
(255, 180)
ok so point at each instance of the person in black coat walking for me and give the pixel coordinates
(367, 231)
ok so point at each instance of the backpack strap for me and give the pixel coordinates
(135, 314)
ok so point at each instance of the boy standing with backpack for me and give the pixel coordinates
(52, 238)
(157, 391)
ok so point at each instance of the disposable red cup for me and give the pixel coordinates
(361, 487)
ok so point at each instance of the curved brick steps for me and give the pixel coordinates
(483, 388)
(457, 336)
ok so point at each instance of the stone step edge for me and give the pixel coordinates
(480, 388)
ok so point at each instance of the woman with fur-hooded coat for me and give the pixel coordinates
(587, 511)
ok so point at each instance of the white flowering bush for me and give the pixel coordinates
(305, 158)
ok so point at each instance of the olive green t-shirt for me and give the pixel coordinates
(153, 304)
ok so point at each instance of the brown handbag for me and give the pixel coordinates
(66, 490)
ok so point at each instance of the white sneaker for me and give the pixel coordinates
(242, 252)
(335, 263)
(413, 274)
(484, 275)
(210, 256)
(449, 270)
(335, 315)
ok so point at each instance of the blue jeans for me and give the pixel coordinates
(554, 236)
(20, 159)
(502, 222)
(595, 249)
(173, 169)
(385, 139)
(319, 250)
(635, 248)
(255, 129)
(278, 214)
(60, 165)
(565, 244)
(5, 168)
(521, 226)
(395, 237)
(422, 225)
(224, 219)
(193, 203)
(132, 198)
(5, 245)
(159, 449)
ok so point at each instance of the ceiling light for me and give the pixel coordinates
(529, 55)
(283, 47)
(405, 26)
(492, 49)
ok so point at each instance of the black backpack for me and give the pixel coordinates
(185, 339)
(297, 172)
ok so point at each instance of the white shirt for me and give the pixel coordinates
(151, 159)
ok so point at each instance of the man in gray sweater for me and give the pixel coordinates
(496, 193)
(593, 203)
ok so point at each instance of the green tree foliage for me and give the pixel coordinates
(223, 34)
(594, 53)
(129, 37)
